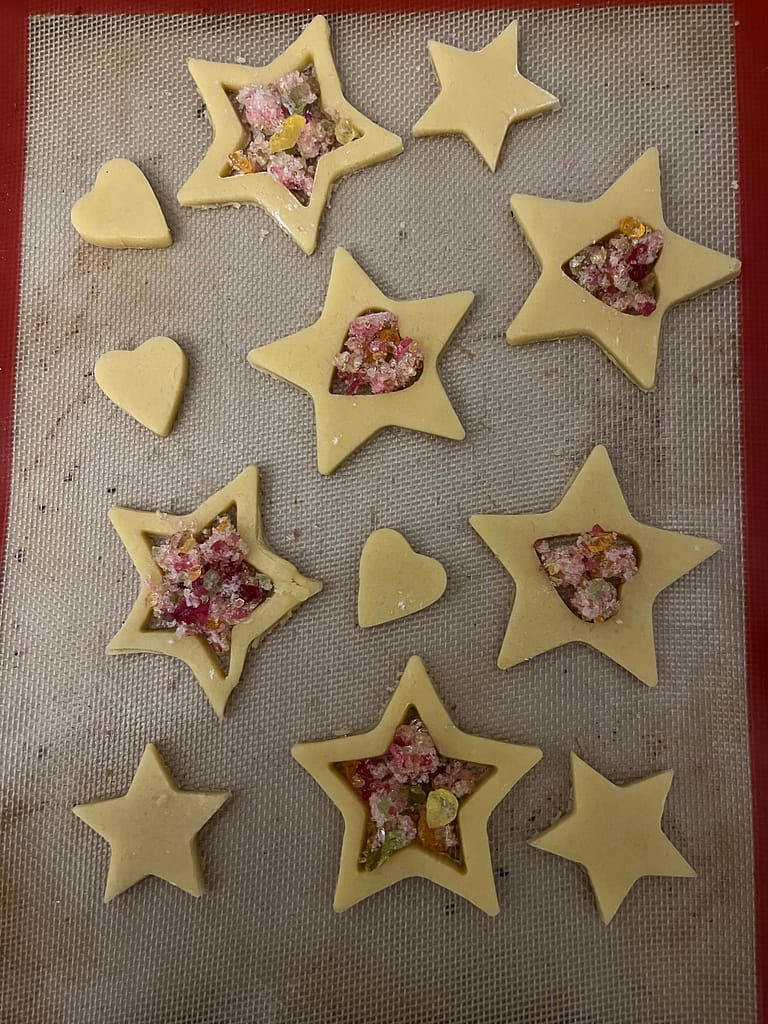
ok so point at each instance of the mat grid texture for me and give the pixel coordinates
(263, 944)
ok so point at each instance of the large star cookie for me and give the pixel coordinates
(540, 619)
(212, 181)
(138, 529)
(481, 94)
(473, 877)
(559, 307)
(345, 422)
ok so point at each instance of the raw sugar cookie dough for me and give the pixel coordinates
(481, 771)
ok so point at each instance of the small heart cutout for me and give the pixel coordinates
(147, 382)
(395, 581)
(121, 211)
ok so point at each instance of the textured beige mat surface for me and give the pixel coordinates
(263, 944)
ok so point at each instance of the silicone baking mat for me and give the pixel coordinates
(263, 943)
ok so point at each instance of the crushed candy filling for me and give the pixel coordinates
(288, 131)
(619, 269)
(207, 587)
(412, 794)
(587, 570)
(375, 358)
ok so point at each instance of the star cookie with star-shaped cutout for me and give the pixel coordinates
(481, 94)
(540, 619)
(213, 181)
(142, 532)
(615, 833)
(472, 875)
(344, 422)
(152, 829)
(559, 307)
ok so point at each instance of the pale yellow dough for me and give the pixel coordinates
(290, 589)
(121, 211)
(345, 422)
(152, 829)
(147, 383)
(615, 833)
(559, 308)
(540, 620)
(481, 94)
(395, 581)
(212, 183)
(474, 878)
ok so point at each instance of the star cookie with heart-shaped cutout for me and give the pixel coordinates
(560, 308)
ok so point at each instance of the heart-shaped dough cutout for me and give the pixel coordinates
(147, 382)
(394, 580)
(121, 211)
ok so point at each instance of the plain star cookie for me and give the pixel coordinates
(227, 174)
(481, 94)
(211, 588)
(615, 833)
(541, 619)
(454, 758)
(617, 246)
(346, 421)
(152, 829)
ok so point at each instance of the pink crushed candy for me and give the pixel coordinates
(375, 358)
(207, 586)
(397, 787)
(619, 269)
(588, 569)
(289, 131)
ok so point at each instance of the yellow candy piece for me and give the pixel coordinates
(442, 808)
(633, 227)
(240, 162)
(601, 542)
(344, 131)
(288, 135)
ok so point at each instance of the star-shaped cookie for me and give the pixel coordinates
(212, 181)
(540, 620)
(152, 829)
(481, 94)
(345, 422)
(615, 833)
(473, 879)
(560, 308)
(289, 588)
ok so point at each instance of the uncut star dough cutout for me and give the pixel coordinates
(473, 879)
(290, 589)
(345, 422)
(121, 211)
(395, 580)
(147, 383)
(211, 183)
(559, 308)
(615, 833)
(540, 620)
(481, 94)
(152, 829)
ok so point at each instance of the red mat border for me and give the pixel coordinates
(751, 42)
